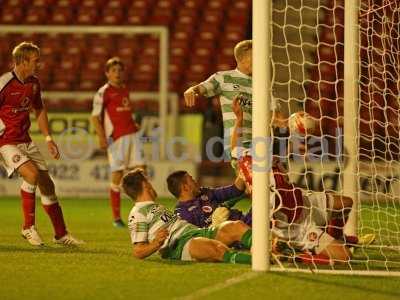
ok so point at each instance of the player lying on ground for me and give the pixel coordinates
(154, 228)
(19, 94)
(206, 207)
(115, 128)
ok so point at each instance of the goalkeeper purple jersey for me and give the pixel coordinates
(198, 211)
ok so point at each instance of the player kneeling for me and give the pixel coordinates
(154, 228)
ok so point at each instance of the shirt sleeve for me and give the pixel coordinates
(212, 86)
(139, 228)
(222, 194)
(98, 103)
(37, 101)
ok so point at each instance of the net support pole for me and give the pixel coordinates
(261, 140)
(351, 67)
(163, 90)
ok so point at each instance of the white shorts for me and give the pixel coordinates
(125, 153)
(318, 206)
(13, 156)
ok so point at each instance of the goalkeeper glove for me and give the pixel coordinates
(221, 214)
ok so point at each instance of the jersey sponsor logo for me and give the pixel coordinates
(207, 209)
(24, 106)
(236, 86)
(15, 93)
(125, 105)
(16, 158)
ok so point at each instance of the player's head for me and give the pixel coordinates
(137, 186)
(182, 183)
(115, 70)
(26, 58)
(243, 56)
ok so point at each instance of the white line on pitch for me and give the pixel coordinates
(219, 286)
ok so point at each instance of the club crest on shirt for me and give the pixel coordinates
(312, 236)
(207, 208)
(236, 87)
(16, 158)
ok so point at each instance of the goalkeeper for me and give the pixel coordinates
(206, 207)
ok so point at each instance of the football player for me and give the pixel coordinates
(19, 95)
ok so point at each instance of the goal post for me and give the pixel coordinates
(160, 31)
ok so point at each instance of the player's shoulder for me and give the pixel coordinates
(5, 79)
(103, 89)
(221, 74)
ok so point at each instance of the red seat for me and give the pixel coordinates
(87, 16)
(112, 16)
(36, 15)
(61, 15)
(11, 15)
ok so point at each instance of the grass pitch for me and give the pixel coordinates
(104, 268)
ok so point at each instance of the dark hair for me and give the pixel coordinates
(114, 61)
(132, 183)
(175, 181)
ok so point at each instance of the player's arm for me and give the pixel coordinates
(279, 120)
(208, 88)
(145, 249)
(192, 93)
(98, 127)
(237, 128)
(43, 123)
(97, 121)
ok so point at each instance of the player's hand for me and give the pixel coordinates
(190, 96)
(53, 149)
(161, 236)
(103, 143)
(221, 214)
(237, 109)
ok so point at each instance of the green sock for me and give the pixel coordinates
(234, 257)
(246, 239)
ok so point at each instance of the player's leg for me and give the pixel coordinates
(207, 250)
(334, 249)
(14, 158)
(50, 204)
(234, 231)
(115, 198)
(30, 174)
(53, 209)
(340, 207)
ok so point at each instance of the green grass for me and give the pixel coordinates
(105, 269)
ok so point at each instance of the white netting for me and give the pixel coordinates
(308, 75)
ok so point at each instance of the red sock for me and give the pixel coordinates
(28, 208)
(115, 202)
(57, 219)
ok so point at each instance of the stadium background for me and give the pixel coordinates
(308, 75)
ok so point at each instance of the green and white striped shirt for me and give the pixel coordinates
(146, 218)
(227, 85)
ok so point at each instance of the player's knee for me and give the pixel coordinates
(46, 184)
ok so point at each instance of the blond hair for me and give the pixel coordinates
(242, 48)
(114, 61)
(23, 51)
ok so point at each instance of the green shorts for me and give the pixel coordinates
(175, 252)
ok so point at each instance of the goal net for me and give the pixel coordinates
(308, 74)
